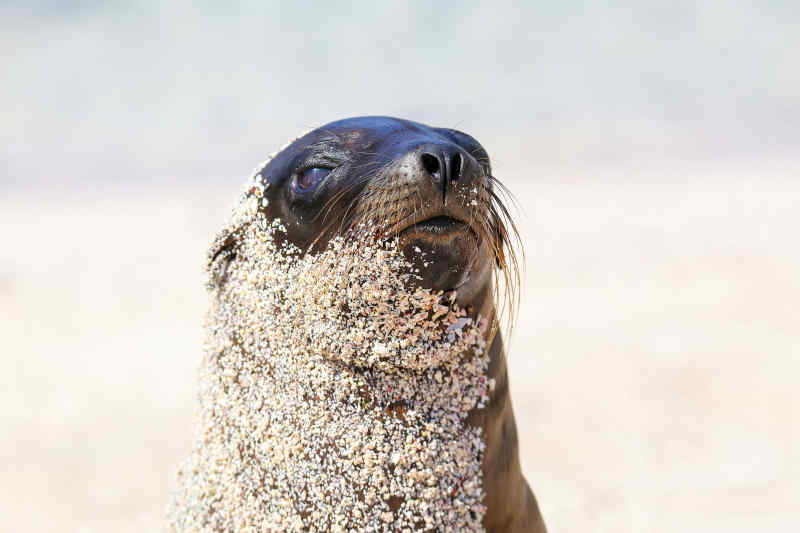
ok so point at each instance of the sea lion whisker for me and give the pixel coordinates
(502, 189)
(506, 252)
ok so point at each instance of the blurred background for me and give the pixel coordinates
(653, 147)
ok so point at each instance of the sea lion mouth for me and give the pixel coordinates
(439, 225)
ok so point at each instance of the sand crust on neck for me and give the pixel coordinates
(331, 398)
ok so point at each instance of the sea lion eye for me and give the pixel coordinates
(309, 178)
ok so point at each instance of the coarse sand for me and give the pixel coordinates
(332, 397)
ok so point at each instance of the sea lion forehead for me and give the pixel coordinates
(387, 132)
(375, 126)
(378, 137)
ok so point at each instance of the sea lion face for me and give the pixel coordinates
(384, 177)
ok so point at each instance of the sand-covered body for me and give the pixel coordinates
(331, 397)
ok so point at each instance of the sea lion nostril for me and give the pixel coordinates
(455, 168)
(431, 165)
(436, 167)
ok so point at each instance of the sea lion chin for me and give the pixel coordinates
(354, 375)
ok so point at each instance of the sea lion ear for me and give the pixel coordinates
(223, 249)
(219, 257)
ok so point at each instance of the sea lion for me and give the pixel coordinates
(354, 377)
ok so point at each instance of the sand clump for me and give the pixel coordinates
(331, 397)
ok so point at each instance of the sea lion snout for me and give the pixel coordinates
(434, 199)
(446, 181)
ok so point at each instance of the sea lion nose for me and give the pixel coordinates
(444, 164)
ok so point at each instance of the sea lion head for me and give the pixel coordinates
(380, 178)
